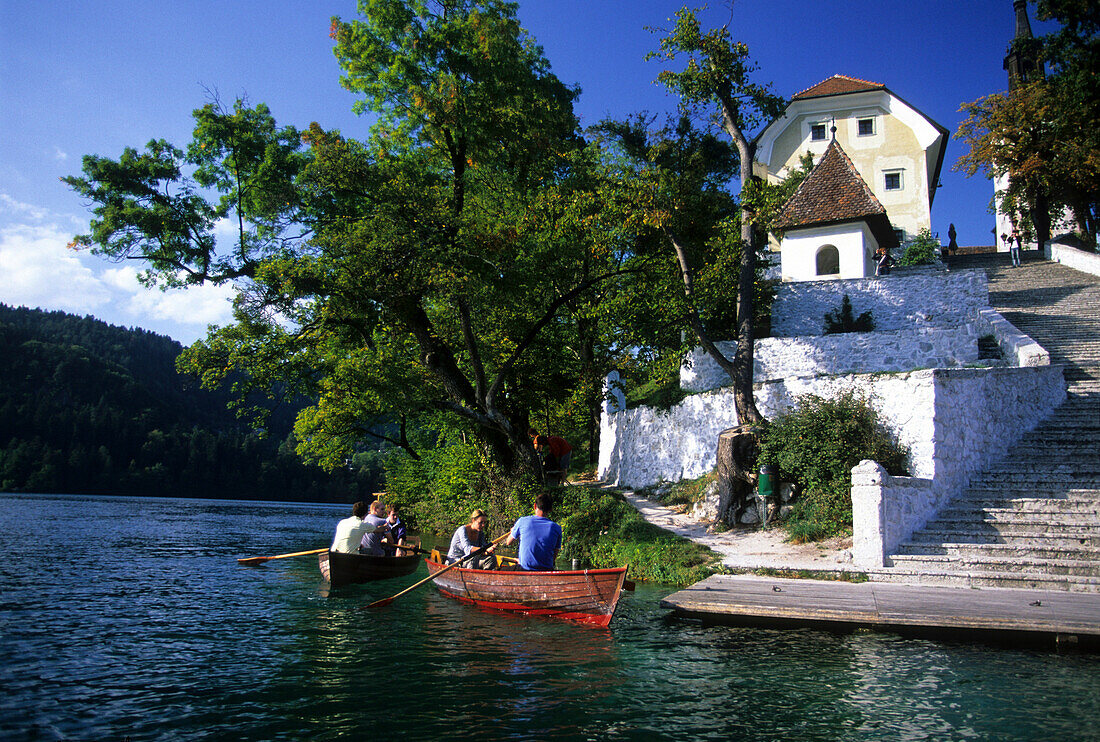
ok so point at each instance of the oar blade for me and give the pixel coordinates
(380, 603)
(252, 560)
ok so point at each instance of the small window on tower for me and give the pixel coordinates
(866, 127)
(892, 180)
(817, 132)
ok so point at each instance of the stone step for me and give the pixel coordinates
(996, 495)
(1006, 551)
(1022, 480)
(1022, 522)
(1024, 506)
(1048, 465)
(1056, 538)
(982, 563)
(1017, 580)
(1037, 489)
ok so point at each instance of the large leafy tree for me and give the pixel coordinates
(715, 81)
(439, 267)
(1043, 133)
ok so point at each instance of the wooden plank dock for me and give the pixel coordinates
(1053, 618)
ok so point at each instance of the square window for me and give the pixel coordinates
(817, 132)
(900, 235)
(866, 127)
(892, 180)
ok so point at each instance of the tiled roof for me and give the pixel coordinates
(832, 192)
(838, 85)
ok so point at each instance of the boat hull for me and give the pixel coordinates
(345, 569)
(587, 596)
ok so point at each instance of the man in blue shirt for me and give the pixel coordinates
(539, 537)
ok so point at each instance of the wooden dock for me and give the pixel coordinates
(1055, 618)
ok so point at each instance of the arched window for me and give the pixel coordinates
(828, 260)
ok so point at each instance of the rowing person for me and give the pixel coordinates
(470, 538)
(372, 542)
(539, 537)
(350, 531)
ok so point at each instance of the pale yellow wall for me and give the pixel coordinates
(893, 146)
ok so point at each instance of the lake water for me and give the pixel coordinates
(125, 618)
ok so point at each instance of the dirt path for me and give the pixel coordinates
(750, 548)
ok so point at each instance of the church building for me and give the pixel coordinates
(867, 143)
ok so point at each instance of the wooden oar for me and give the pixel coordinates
(260, 560)
(386, 601)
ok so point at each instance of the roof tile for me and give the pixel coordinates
(838, 85)
(832, 192)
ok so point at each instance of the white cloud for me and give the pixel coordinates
(59, 154)
(39, 270)
(196, 307)
(23, 210)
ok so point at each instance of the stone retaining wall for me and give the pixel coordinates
(979, 414)
(1086, 262)
(896, 302)
(955, 422)
(847, 353)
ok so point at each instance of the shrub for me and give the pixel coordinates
(842, 320)
(923, 250)
(816, 445)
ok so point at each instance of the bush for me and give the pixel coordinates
(816, 445)
(842, 320)
(923, 250)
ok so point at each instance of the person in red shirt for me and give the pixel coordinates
(558, 452)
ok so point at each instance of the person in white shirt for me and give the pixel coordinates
(350, 531)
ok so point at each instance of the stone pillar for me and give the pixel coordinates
(868, 515)
(614, 401)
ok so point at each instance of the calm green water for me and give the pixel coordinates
(131, 619)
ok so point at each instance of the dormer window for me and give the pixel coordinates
(866, 126)
(817, 132)
(892, 180)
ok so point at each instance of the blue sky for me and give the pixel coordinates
(80, 78)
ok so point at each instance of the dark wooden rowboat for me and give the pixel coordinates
(587, 596)
(344, 569)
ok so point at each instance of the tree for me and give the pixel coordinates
(715, 81)
(1043, 132)
(433, 268)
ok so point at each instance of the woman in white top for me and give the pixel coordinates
(468, 539)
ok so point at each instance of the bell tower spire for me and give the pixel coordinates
(1022, 62)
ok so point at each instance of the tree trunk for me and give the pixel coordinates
(738, 450)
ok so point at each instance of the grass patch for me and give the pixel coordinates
(602, 529)
(656, 394)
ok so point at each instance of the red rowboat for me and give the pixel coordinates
(343, 569)
(587, 595)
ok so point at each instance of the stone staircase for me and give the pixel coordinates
(1033, 519)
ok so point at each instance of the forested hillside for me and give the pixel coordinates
(86, 407)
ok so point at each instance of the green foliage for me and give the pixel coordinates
(89, 408)
(816, 445)
(683, 492)
(843, 319)
(454, 262)
(924, 249)
(604, 530)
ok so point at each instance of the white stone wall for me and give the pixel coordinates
(1019, 348)
(642, 446)
(853, 241)
(955, 423)
(845, 353)
(979, 414)
(896, 302)
(1086, 262)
